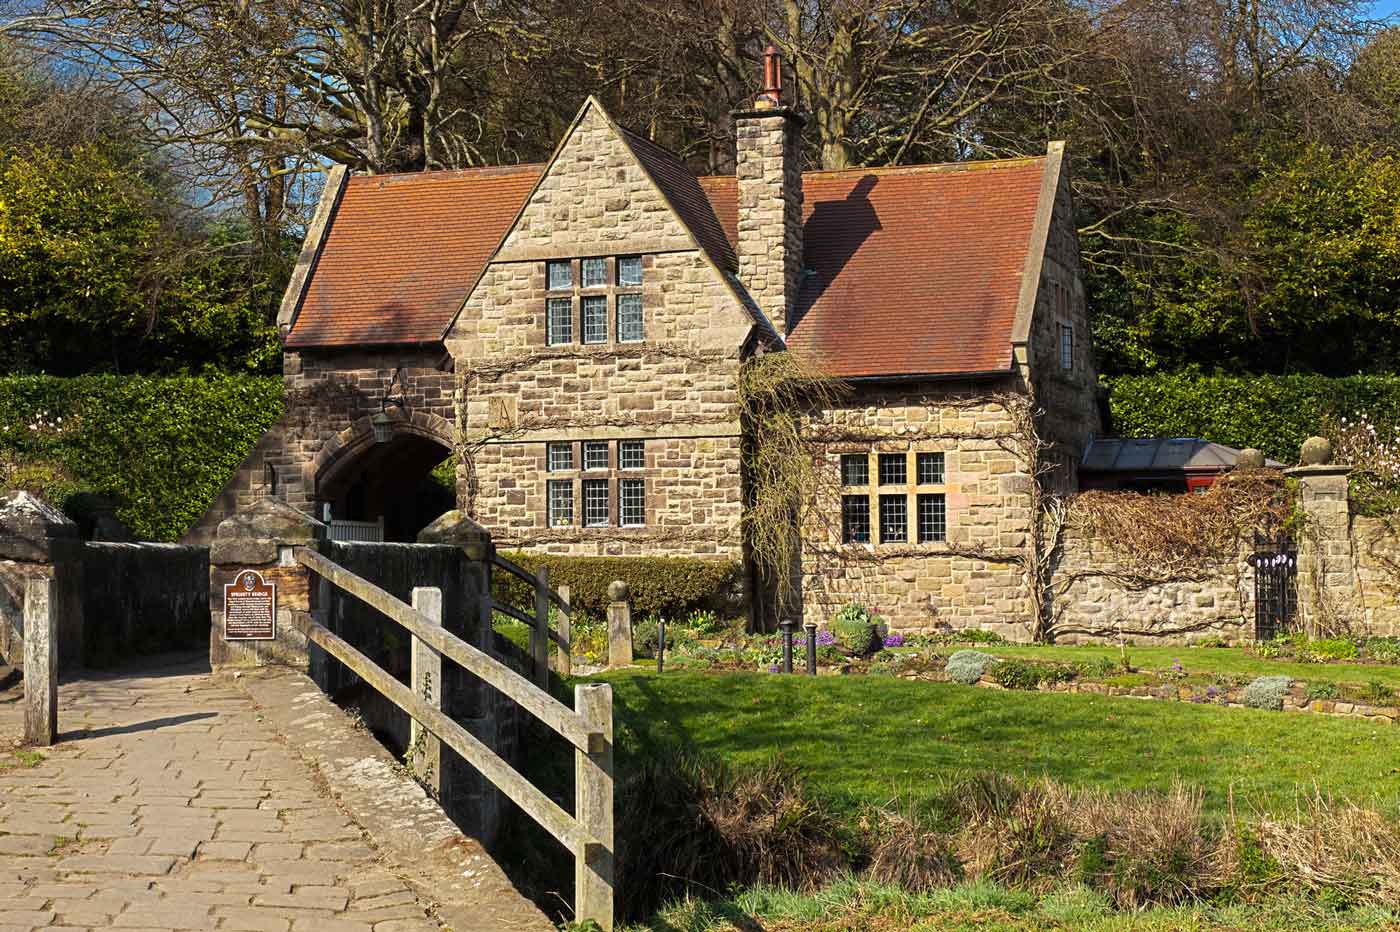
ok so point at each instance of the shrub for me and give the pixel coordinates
(1342, 853)
(158, 448)
(977, 636)
(1328, 649)
(856, 628)
(1097, 669)
(691, 824)
(1018, 674)
(967, 666)
(646, 636)
(1323, 690)
(1275, 413)
(1378, 693)
(672, 587)
(1383, 650)
(1267, 692)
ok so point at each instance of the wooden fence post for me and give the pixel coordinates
(539, 635)
(425, 679)
(566, 634)
(593, 808)
(40, 662)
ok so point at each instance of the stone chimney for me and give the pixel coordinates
(769, 173)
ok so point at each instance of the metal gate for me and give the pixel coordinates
(1275, 563)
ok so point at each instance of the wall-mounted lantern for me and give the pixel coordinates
(382, 424)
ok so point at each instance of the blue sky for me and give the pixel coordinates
(1386, 7)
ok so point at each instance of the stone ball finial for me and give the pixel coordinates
(618, 591)
(1317, 451)
(1250, 458)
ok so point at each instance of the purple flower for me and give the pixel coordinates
(1176, 665)
(1212, 692)
(825, 638)
(894, 640)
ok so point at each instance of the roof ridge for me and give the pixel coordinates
(485, 171)
(967, 165)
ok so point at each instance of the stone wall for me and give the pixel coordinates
(974, 578)
(142, 599)
(1068, 397)
(1376, 556)
(676, 390)
(1096, 600)
(328, 399)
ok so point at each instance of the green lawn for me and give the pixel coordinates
(872, 737)
(1206, 660)
(862, 907)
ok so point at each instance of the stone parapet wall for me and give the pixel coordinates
(142, 599)
(1097, 598)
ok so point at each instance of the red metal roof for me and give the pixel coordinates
(401, 253)
(914, 271)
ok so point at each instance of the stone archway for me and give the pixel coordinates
(362, 479)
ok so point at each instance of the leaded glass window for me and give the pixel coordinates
(894, 519)
(595, 503)
(560, 275)
(632, 502)
(630, 328)
(561, 502)
(559, 328)
(631, 454)
(595, 319)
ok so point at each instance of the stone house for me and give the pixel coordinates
(573, 332)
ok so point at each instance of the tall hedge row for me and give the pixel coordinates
(671, 587)
(1273, 413)
(159, 448)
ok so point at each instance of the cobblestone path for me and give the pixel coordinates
(169, 804)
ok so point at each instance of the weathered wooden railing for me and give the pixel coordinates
(40, 662)
(540, 633)
(588, 833)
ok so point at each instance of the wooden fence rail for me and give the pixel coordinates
(588, 833)
(540, 633)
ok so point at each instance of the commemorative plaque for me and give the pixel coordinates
(250, 608)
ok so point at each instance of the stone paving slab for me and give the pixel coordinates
(172, 802)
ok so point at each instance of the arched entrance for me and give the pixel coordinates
(385, 488)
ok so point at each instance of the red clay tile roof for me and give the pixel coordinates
(402, 251)
(914, 271)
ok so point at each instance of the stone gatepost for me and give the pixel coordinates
(1327, 593)
(471, 800)
(262, 538)
(37, 542)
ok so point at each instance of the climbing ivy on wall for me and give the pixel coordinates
(158, 449)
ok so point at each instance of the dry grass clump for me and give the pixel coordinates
(907, 852)
(692, 825)
(1341, 853)
(1141, 849)
(1181, 536)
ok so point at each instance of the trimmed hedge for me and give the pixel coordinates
(671, 587)
(158, 447)
(1274, 413)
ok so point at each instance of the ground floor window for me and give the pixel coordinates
(590, 475)
(561, 502)
(632, 502)
(894, 519)
(933, 518)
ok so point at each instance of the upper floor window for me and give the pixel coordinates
(629, 271)
(930, 468)
(855, 469)
(1066, 346)
(894, 469)
(559, 322)
(560, 275)
(595, 273)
